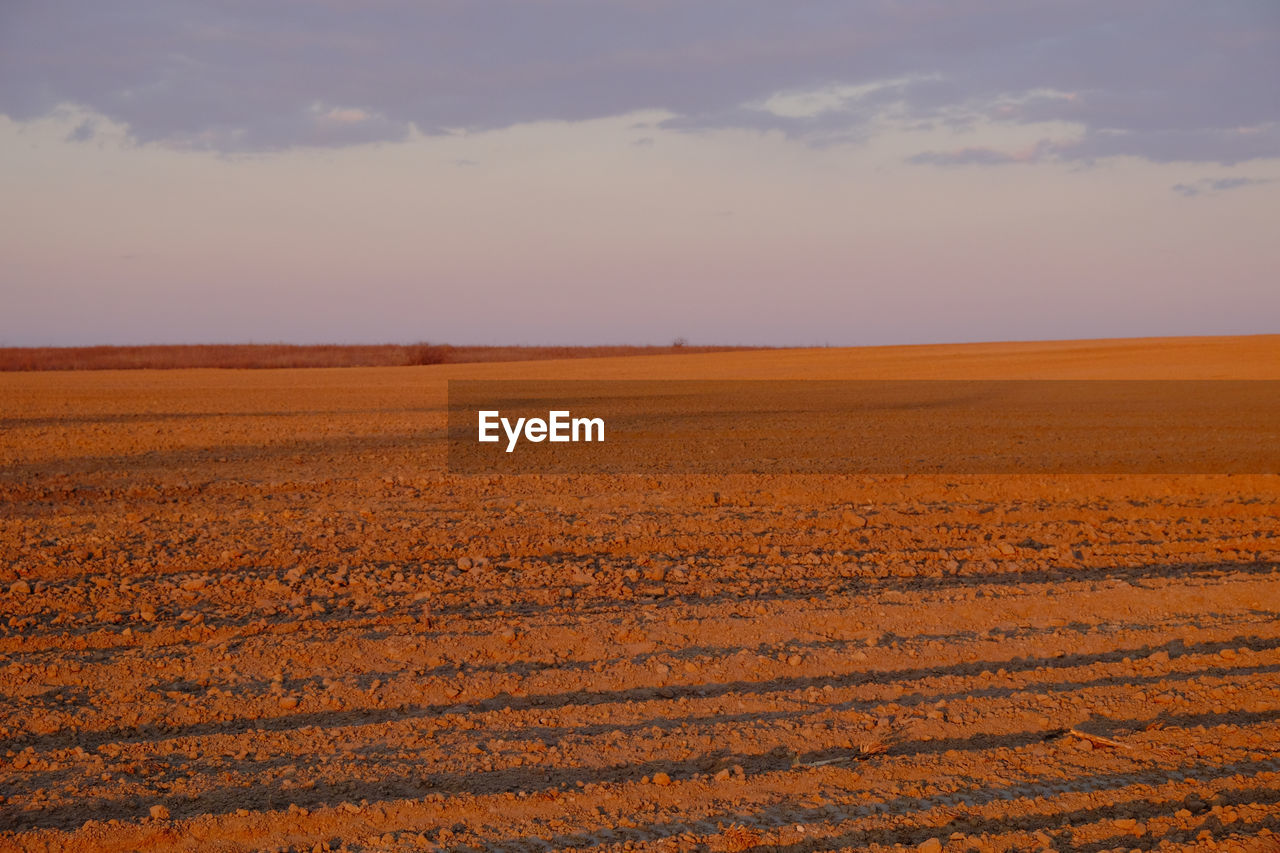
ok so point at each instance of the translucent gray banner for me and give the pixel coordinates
(864, 427)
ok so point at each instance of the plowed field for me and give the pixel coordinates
(251, 610)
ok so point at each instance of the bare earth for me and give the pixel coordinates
(249, 610)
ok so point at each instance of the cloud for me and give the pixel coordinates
(964, 157)
(83, 132)
(1165, 80)
(1213, 186)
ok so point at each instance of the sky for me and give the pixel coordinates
(798, 173)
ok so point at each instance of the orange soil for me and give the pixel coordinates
(250, 610)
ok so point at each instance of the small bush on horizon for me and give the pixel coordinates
(425, 353)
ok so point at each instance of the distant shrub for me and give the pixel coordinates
(259, 356)
(680, 343)
(425, 353)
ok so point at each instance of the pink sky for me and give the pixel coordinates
(683, 175)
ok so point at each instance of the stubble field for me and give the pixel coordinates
(251, 610)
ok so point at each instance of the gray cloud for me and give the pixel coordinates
(1166, 80)
(963, 157)
(1213, 186)
(83, 132)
